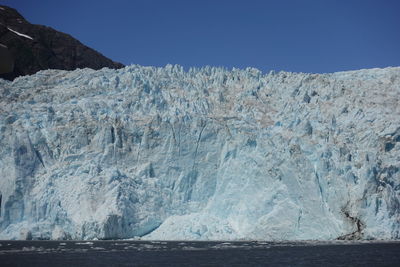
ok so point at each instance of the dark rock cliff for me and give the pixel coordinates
(36, 47)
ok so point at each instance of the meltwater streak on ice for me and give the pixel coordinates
(208, 154)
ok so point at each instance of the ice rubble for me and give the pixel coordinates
(161, 153)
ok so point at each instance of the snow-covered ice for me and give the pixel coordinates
(160, 153)
(20, 34)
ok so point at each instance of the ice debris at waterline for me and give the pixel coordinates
(161, 153)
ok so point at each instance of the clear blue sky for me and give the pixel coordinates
(292, 35)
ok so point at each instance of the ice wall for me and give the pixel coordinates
(161, 153)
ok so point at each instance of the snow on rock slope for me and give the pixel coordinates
(161, 153)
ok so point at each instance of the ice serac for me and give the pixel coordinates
(163, 153)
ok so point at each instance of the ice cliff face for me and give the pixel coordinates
(162, 153)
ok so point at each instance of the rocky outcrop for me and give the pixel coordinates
(37, 47)
(7, 60)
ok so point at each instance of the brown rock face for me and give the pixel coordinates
(6, 60)
(37, 47)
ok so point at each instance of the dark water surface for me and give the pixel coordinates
(184, 253)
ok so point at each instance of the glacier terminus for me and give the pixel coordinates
(203, 154)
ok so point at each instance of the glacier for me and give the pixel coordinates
(160, 153)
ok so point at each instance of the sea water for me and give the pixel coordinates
(186, 253)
